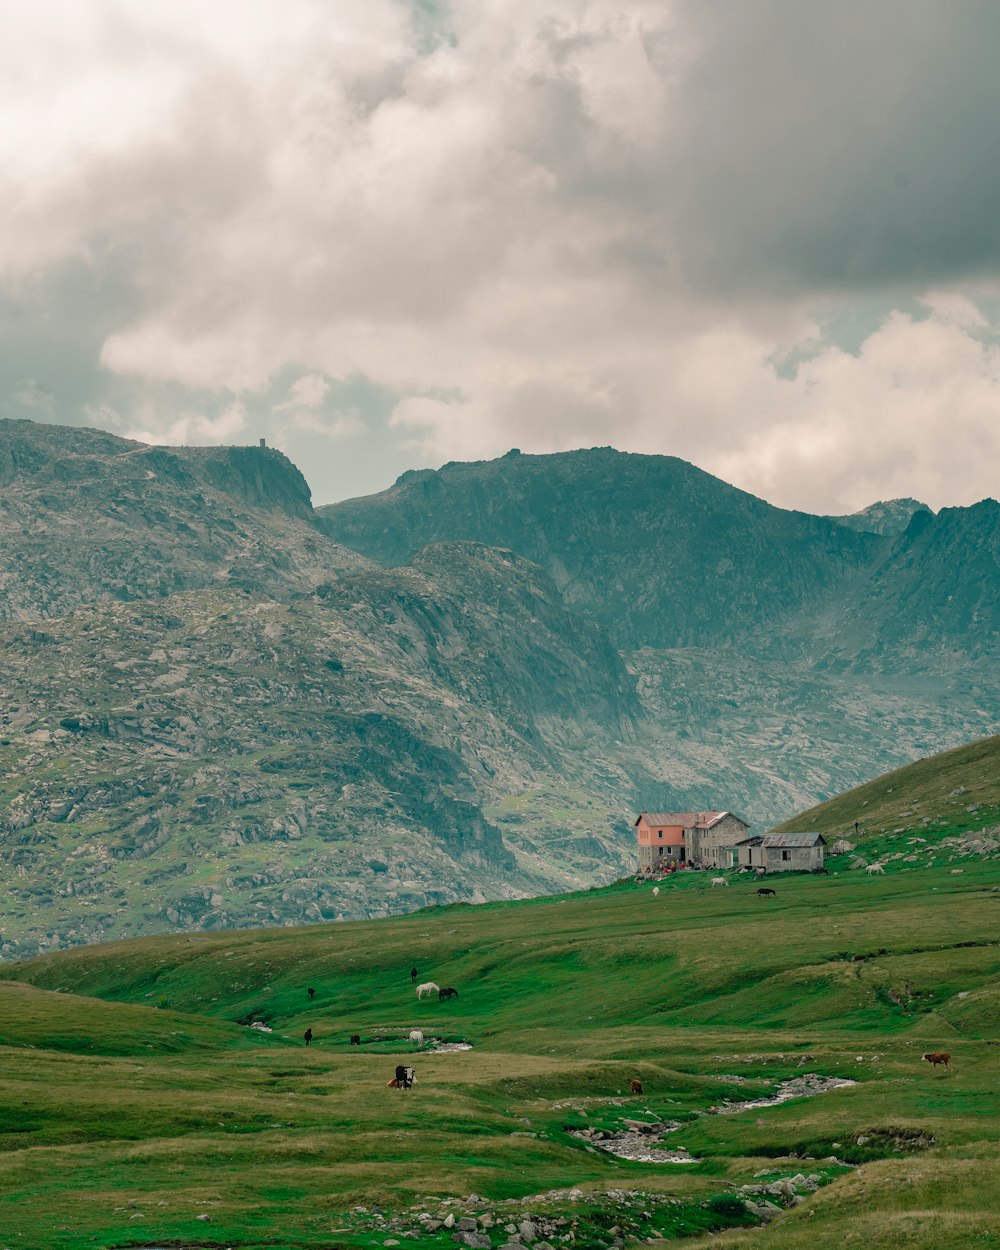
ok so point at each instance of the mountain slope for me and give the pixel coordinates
(661, 553)
(214, 758)
(956, 791)
(86, 516)
(934, 602)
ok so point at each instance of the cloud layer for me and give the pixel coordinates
(765, 236)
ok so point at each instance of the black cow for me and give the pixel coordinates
(765, 890)
(355, 1039)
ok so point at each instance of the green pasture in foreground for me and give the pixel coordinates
(133, 1100)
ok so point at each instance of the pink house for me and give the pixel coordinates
(703, 838)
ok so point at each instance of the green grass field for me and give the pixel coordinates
(133, 1101)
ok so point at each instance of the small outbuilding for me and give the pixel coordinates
(782, 852)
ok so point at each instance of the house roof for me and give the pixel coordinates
(687, 820)
(794, 839)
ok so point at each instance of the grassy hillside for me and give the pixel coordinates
(137, 1100)
(948, 796)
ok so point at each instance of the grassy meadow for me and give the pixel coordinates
(136, 1099)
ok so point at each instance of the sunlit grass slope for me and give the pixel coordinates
(134, 1100)
(955, 792)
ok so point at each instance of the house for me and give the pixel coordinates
(704, 839)
(782, 852)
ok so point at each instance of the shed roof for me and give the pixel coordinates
(794, 839)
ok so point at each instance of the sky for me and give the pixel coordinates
(762, 235)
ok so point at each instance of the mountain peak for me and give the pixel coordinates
(887, 516)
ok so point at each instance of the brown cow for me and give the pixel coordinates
(936, 1057)
(637, 1087)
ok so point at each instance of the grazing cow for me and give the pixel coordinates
(428, 988)
(719, 881)
(766, 890)
(308, 1035)
(637, 1087)
(656, 891)
(403, 1079)
(937, 1056)
(416, 1035)
(875, 870)
(447, 992)
(311, 992)
(414, 974)
(355, 1039)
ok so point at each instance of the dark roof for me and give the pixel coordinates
(687, 820)
(794, 839)
(756, 840)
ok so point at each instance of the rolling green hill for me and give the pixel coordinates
(949, 801)
(139, 1109)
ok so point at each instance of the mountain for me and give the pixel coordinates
(224, 707)
(933, 604)
(888, 516)
(213, 758)
(661, 553)
(86, 517)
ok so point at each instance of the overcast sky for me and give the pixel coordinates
(763, 235)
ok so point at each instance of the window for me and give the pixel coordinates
(786, 855)
(660, 834)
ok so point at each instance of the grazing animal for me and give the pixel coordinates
(719, 881)
(637, 1087)
(874, 870)
(414, 974)
(311, 992)
(656, 891)
(428, 987)
(937, 1056)
(447, 992)
(403, 1079)
(416, 1035)
(760, 872)
(765, 890)
(308, 1035)
(355, 1039)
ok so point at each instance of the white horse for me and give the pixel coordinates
(875, 870)
(656, 891)
(719, 881)
(428, 987)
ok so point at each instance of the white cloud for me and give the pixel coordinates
(543, 223)
(195, 427)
